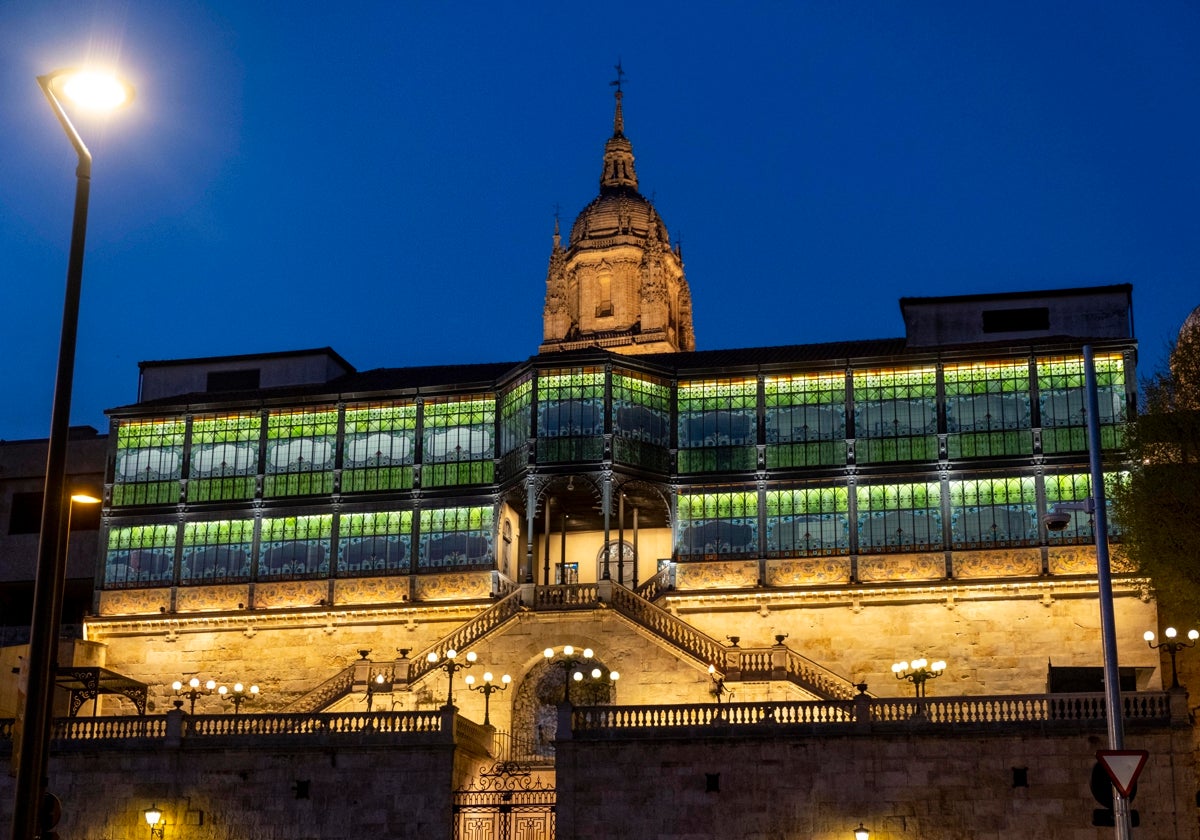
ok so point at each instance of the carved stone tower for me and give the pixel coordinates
(618, 283)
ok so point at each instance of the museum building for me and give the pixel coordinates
(751, 537)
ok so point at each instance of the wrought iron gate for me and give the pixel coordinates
(505, 803)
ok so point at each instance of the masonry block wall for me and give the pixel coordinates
(688, 784)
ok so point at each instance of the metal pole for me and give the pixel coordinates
(43, 634)
(1112, 685)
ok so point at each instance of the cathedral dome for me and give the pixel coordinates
(620, 212)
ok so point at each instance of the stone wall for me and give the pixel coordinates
(674, 784)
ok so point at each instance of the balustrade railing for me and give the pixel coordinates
(326, 723)
(1083, 709)
(566, 596)
(108, 728)
(656, 585)
(657, 620)
(468, 634)
(318, 698)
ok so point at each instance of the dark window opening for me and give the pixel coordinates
(26, 515)
(232, 380)
(1072, 680)
(1030, 319)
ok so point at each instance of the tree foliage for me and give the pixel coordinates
(1158, 508)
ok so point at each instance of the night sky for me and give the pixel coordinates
(382, 178)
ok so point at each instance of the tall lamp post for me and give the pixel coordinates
(1057, 520)
(1172, 647)
(918, 672)
(487, 689)
(451, 666)
(101, 92)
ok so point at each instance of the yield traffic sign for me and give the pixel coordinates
(1123, 767)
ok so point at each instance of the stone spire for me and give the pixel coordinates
(618, 171)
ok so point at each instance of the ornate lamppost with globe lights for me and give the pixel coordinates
(1172, 647)
(239, 695)
(918, 672)
(487, 690)
(193, 691)
(571, 660)
(451, 666)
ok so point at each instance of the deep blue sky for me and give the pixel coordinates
(381, 177)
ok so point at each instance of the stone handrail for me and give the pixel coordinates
(655, 586)
(781, 662)
(108, 728)
(467, 634)
(865, 712)
(565, 596)
(337, 686)
(326, 723)
(765, 663)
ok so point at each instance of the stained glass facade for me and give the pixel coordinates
(641, 419)
(805, 420)
(223, 464)
(1063, 402)
(1076, 487)
(295, 547)
(149, 462)
(374, 543)
(570, 414)
(217, 552)
(717, 425)
(808, 521)
(895, 415)
(899, 517)
(457, 538)
(993, 512)
(988, 409)
(300, 452)
(141, 555)
(379, 447)
(718, 523)
(458, 445)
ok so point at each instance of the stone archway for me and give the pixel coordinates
(536, 702)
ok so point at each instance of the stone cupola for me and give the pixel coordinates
(617, 283)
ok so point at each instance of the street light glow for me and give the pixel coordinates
(95, 90)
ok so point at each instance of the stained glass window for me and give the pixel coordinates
(295, 547)
(988, 409)
(300, 451)
(899, 517)
(1062, 399)
(458, 445)
(217, 552)
(719, 523)
(570, 414)
(1077, 488)
(808, 521)
(991, 512)
(379, 446)
(141, 555)
(895, 415)
(149, 461)
(453, 538)
(516, 416)
(641, 420)
(375, 543)
(717, 425)
(805, 420)
(224, 457)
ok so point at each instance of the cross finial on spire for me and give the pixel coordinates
(618, 117)
(620, 77)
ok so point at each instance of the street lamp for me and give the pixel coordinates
(487, 689)
(1172, 647)
(451, 666)
(154, 820)
(719, 689)
(238, 696)
(861, 833)
(918, 672)
(98, 92)
(193, 691)
(572, 660)
(1057, 520)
